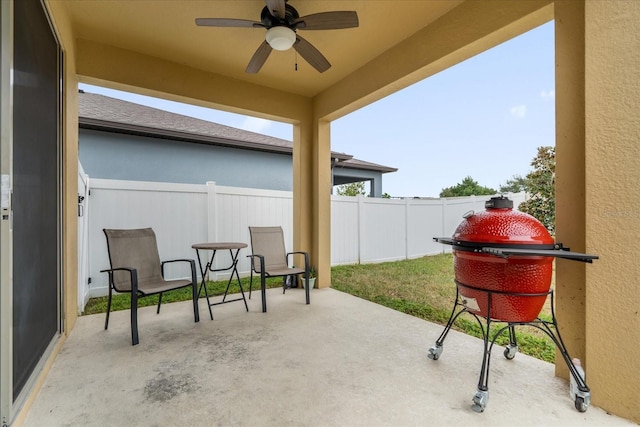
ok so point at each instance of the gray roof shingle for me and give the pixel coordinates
(116, 115)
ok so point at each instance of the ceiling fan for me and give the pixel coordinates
(282, 21)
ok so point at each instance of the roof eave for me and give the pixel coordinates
(129, 129)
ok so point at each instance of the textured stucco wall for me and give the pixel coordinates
(570, 175)
(612, 155)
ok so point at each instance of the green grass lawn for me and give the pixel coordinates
(422, 287)
(122, 301)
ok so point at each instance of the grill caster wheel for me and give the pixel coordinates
(435, 352)
(510, 352)
(581, 406)
(582, 399)
(480, 400)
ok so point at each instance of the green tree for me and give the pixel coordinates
(468, 187)
(514, 185)
(541, 188)
(352, 189)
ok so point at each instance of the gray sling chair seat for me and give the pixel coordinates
(136, 269)
(270, 259)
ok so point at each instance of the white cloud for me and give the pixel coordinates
(518, 111)
(548, 94)
(255, 124)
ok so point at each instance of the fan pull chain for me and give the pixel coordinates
(296, 60)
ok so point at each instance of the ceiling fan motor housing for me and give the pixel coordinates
(290, 16)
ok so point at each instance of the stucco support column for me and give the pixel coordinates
(612, 158)
(570, 176)
(376, 187)
(312, 195)
(597, 197)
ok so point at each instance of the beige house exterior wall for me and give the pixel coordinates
(612, 159)
(598, 121)
(597, 162)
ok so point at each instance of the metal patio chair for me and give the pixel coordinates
(270, 259)
(136, 269)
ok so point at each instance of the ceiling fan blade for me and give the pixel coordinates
(227, 22)
(276, 7)
(259, 58)
(311, 54)
(327, 21)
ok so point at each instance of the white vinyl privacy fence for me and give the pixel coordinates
(363, 229)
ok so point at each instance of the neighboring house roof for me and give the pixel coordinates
(354, 163)
(115, 115)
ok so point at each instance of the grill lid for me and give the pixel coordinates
(500, 225)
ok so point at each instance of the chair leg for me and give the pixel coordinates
(251, 282)
(263, 290)
(196, 311)
(106, 322)
(134, 318)
(306, 277)
(159, 302)
(195, 293)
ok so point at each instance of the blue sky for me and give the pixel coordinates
(482, 118)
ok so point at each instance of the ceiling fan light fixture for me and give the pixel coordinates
(280, 37)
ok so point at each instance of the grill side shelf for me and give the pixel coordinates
(464, 245)
(504, 251)
(444, 240)
(574, 256)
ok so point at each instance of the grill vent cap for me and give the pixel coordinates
(500, 202)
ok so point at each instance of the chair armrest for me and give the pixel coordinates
(109, 270)
(177, 260)
(306, 254)
(261, 258)
(133, 274)
(306, 260)
(190, 261)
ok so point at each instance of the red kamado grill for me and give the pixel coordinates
(502, 228)
(503, 262)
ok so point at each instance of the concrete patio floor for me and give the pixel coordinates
(340, 361)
